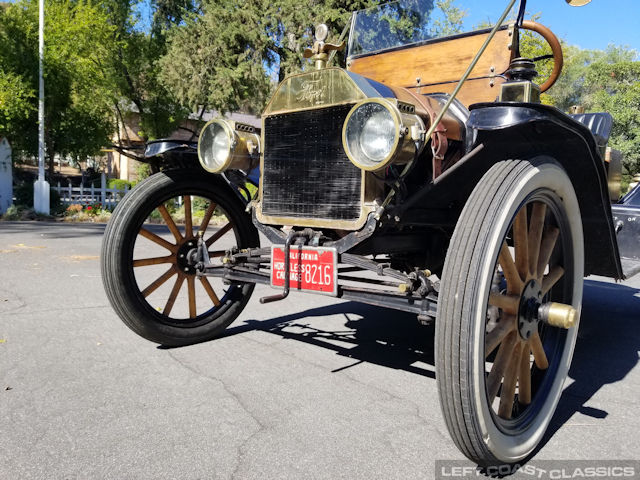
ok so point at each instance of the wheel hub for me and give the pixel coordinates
(183, 255)
(530, 302)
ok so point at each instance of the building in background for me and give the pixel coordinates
(126, 168)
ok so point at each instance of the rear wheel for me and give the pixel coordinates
(518, 244)
(145, 271)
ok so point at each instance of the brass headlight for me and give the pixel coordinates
(225, 144)
(376, 133)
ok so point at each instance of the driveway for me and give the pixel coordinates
(310, 387)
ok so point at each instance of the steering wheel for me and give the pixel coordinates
(556, 49)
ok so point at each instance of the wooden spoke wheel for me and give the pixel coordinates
(148, 245)
(501, 365)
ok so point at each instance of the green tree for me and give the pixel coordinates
(612, 84)
(100, 64)
(133, 64)
(608, 81)
(77, 101)
(229, 55)
(599, 80)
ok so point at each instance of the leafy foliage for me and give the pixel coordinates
(605, 81)
(600, 81)
(133, 65)
(16, 101)
(396, 24)
(77, 100)
(97, 64)
(229, 55)
(614, 86)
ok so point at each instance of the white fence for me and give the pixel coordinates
(88, 195)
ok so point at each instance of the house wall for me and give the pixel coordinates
(125, 168)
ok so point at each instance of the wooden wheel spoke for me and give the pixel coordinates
(536, 227)
(143, 262)
(538, 352)
(507, 396)
(207, 217)
(549, 280)
(188, 219)
(191, 288)
(169, 221)
(174, 294)
(498, 334)
(500, 365)
(217, 253)
(524, 376)
(209, 289)
(159, 240)
(546, 249)
(521, 243)
(159, 281)
(508, 303)
(514, 282)
(216, 236)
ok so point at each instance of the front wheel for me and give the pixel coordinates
(517, 245)
(146, 275)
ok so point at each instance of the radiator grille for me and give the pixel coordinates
(306, 172)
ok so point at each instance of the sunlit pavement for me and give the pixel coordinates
(309, 387)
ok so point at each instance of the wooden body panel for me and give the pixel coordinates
(441, 64)
(473, 91)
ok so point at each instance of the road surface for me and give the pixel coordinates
(310, 387)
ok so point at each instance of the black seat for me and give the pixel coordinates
(600, 125)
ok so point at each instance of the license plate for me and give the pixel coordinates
(312, 269)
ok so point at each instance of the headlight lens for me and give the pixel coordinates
(377, 135)
(214, 147)
(370, 135)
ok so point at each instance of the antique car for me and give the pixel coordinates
(425, 176)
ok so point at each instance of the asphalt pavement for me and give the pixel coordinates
(310, 387)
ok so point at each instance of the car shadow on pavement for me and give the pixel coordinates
(371, 334)
(53, 230)
(606, 350)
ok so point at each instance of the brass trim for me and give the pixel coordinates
(560, 315)
(367, 207)
(227, 129)
(402, 143)
(318, 222)
(304, 109)
(350, 94)
(242, 139)
(397, 123)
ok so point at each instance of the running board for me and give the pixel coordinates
(630, 267)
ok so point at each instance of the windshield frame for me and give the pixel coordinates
(352, 29)
(420, 43)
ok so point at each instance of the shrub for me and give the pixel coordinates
(119, 184)
(19, 212)
(143, 171)
(89, 213)
(73, 208)
(23, 193)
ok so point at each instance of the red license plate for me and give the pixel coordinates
(311, 269)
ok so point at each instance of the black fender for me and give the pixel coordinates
(508, 130)
(218, 181)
